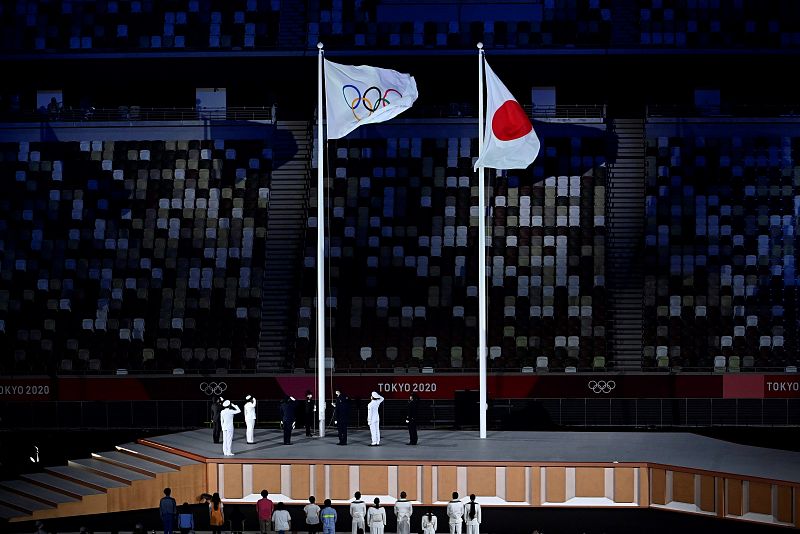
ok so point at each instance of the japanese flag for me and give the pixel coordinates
(509, 141)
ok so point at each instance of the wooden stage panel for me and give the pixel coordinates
(339, 482)
(374, 480)
(590, 482)
(407, 481)
(708, 496)
(300, 481)
(658, 483)
(784, 505)
(267, 477)
(447, 482)
(515, 484)
(482, 480)
(734, 494)
(232, 482)
(683, 487)
(624, 484)
(760, 498)
(555, 484)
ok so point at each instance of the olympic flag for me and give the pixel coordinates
(357, 95)
(509, 141)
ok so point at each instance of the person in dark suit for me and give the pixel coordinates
(287, 419)
(411, 418)
(216, 422)
(309, 411)
(342, 405)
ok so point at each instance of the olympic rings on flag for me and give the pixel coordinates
(371, 99)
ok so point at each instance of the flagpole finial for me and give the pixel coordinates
(480, 46)
(320, 45)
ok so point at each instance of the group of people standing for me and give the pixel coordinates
(373, 517)
(223, 412)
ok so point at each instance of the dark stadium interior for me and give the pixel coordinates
(641, 273)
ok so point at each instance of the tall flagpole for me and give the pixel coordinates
(482, 304)
(320, 255)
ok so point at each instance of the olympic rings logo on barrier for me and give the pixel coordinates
(213, 388)
(602, 386)
(371, 100)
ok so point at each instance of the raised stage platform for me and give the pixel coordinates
(674, 471)
(669, 471)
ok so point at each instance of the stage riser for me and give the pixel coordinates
(724, 496)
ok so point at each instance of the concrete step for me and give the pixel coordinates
(87, 478)
(108, 470)
(24, 504)
(158, 456)
(133, 463)
(37, 492)
(60, 485)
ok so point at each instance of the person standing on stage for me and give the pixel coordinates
(287, 419)
(403, 511)
(328, 516)
(472, 515)
(309, 411)
(358, 511)
(374, 418)
(216, 423)
(265, 507)
(342, 405)
(228, 411)
(250, 417)
(376, 518)
(411, 418)
(429, 523)
(311, 510)
(455, 514)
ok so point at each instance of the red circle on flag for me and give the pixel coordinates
(510, 122)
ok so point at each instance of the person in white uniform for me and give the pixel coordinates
(429, 523)
(374, 418)
(250, 417)
(376, 518)
(455, 514)
(403, 511)
(228, 411)
(472, 515)
(358, 511)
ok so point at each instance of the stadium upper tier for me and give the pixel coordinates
(140, 255)
(140, 25)
(403, 266)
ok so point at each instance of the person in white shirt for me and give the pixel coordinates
(358, 511)
(374, 418)
(376, 518)
(250, 417)
(281, 520)
(228, 411)
(455, 513)
(312, 515)
(472, 515)
(403, 511)
(429, 523)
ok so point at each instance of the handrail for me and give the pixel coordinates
(724, 110)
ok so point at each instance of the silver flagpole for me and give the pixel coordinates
(320, 254)
(482, 304)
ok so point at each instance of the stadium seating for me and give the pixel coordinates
(720, 279)
(132, 254)
(403, 272)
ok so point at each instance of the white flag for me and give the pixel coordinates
(509, 141)
(364, 95)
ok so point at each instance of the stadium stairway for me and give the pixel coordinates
(131, 477)
(625, 221)
(288, 206)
